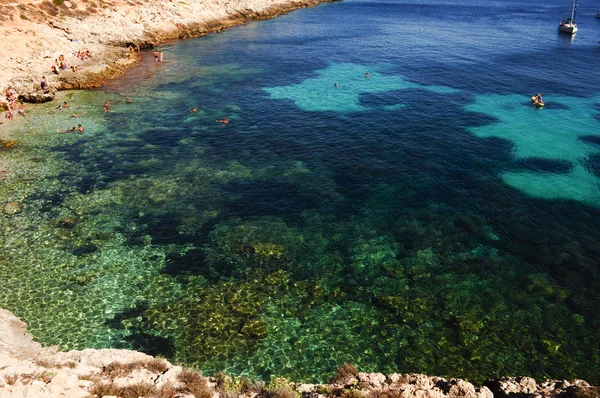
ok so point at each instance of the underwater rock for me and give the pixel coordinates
(67, 223)
(8, 144)
(12, 208)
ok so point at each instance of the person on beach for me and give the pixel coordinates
(8, 115)
(44, 84)
(21, 109)
(161, 56)
(54, 70)
(63, 63)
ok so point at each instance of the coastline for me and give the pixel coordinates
(37, 33)
(30, 370)
(112, 58)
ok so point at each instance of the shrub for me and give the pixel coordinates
(195, 384)
(119, 369)
(167, 391)
(101, 389)
(11, 379)
(157, 365)
(143, 389)
(344, 372)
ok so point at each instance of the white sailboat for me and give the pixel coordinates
(569, 25)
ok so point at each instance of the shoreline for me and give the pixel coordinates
(37, 34)
(35, 371)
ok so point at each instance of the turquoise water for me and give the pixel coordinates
(421, 218)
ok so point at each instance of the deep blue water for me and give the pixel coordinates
(423, 219)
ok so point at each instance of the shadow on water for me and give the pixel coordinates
(192, 262)
(138, 339)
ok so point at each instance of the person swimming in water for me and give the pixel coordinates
(73, 130)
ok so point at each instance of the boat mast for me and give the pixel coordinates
(573, 12)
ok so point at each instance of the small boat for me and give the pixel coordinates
(568, 25)
(536, 103)
(598, 15)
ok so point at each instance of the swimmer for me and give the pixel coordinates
(74, 129)
(224, 120)
(367, 74)
(65, 105)
(128, 100)
(335, 84)
(80, 128)
(193, 110)
(78, 114)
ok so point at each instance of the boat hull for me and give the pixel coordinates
(567, 28)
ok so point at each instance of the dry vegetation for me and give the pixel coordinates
(194, 384)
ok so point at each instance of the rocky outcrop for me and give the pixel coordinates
(36, 33)
(29, 370)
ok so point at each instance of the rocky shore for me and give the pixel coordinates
(36, 33)
(29, 370)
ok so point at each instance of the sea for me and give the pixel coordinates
(383, 194)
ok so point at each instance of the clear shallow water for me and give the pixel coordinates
(423, 219)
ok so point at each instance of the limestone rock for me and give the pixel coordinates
(12, 208)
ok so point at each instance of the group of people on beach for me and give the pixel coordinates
(11, 104)
(61, 64)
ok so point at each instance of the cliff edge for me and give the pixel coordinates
(29, 370)
(39, 34)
